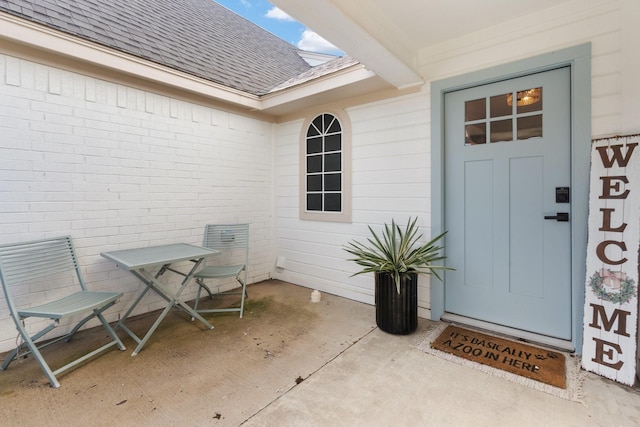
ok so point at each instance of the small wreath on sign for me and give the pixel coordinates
(627, 289)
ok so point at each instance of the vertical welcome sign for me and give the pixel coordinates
(611, 297)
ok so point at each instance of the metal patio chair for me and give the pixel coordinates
(51, 263)
(232, 240)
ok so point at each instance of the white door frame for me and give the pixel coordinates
(578, 58)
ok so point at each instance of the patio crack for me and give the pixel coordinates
(299, 379)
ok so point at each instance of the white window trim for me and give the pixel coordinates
(345, 214)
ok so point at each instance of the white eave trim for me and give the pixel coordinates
(331, 81)
(25, 32)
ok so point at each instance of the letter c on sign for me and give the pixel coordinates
(600, 251)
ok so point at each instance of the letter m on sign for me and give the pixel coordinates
(620, 315)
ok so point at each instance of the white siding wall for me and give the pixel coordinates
(390, 181)
(116, 167)
(391, 139)
(611, 27)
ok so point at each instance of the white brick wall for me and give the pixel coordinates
(117, 167)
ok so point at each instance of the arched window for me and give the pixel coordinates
(325, 169)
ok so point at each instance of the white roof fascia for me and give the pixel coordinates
(331, 81)
(25, 32)
(335, 26)
(315, 58)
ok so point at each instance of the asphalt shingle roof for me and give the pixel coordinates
(199, 37)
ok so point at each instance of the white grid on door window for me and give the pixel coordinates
(499, 119)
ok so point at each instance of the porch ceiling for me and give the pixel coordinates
(387, 36)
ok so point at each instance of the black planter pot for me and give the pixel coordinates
(397, 313)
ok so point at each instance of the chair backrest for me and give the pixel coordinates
(25, 262)
(226, 236)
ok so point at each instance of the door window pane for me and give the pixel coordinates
(502, 130)
(475, 110)
(530, 100)
(475, 134)
(530, 127)
(500, 106)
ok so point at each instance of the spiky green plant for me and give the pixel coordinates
(397, 252)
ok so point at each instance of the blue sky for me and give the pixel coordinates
(272, 19)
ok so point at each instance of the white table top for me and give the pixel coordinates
(133, 259)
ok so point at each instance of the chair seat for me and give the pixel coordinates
(78, 302)
(212, 271)
(232, 242)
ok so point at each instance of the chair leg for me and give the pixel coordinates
(195, 304)
(10, 358)
(43, 365)
(105, 324)
(244, 293)
(23, 333)
(33, 349)
(30, 342)
(206, 288)
(201, 285)
(85, 320)
(243, 283)
(110, 331)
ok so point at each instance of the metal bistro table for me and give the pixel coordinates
(142, 261)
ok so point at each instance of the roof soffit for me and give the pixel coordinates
(389, 37)
(397, 66)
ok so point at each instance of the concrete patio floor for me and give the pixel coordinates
(290, 362)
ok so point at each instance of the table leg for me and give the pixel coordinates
(173, 299)
(123, 319)
(150, 332)
(185, 282)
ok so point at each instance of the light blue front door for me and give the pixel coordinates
(507, 167)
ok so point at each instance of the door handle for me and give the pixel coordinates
(560, 217)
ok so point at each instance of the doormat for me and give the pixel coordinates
(539, 368)
(521, 359)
